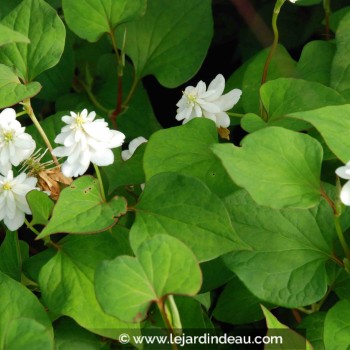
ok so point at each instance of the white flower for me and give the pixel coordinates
(133, 145)
(344, 173)
(209, 103)
(13, 203)
(15, 145)
(293, 1)
(86, 140)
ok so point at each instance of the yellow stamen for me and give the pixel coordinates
(6, 186)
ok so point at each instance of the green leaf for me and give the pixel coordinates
(66, 281)
(58, 80)
(237, 305)
(122, 173)
(169, 44)
(337, 326)
(186, 150)
(215, 274)
(87, 212)
(314, 326)
(46, 32)
(8, 36)
(340, 73)
(69, 336)
(282, 65)
(10, 256)
(90, 19)
(24, 323)
(291, 339)
(290, 248)
(287, 95)
(12, 90)
(126, 286)
(333, 123)
(41, 207)
(184, 207)
(278, 167)
(315, 61)
(252, 122)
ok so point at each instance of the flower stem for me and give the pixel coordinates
(238, 115)
(99, 178)
(29, 110)
(162, 311)
(327, 11)
(275, 14)
(21, 113)
(94, 100)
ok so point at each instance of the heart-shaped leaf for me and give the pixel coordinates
(290, 248)
(185, 208)
(24, 323)
(333, 123)
(337, 326)
(278, 167)
(40, 23)
(12, 90)
(126, 286)
(169, 44)
(66, 281)
(186, 150)
(80, 209)
(90, 19)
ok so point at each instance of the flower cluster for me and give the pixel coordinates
(15, 147)
(210, 102)
(86, 140)
(15, 144)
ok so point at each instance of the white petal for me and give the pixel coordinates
(135, 143)
(217, 86)
(222, 120)
(343, 172)
(227, 101)
(345, 194)
(16, 222)
(126, 154)
(102, 157)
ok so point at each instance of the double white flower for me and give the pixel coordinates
(13, 203)
(15, 144)
(344, 173)
(86, 140)
(208, 103)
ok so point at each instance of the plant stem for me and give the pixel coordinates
(162, 310)
(327, 11)
(94, 100)
(275, 14)
(341, 237)
(29, 110)
(31, 227)
(21, 113)
(99, 178)
(238, 115)
(132, 91)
